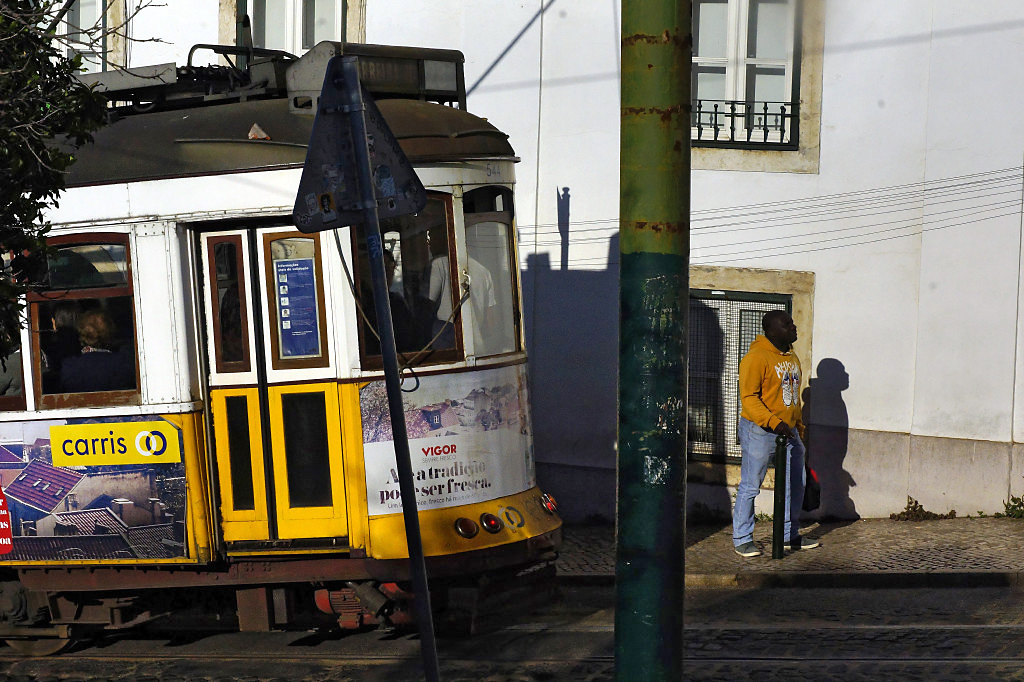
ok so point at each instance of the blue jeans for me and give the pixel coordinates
(758, 451)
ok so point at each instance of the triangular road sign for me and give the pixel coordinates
(329, 191)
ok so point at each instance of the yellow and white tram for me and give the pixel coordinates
(198, 401)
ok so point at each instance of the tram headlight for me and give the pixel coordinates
(549, 503)
(467, 528)
(491, 523)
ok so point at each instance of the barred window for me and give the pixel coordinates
(722, 326)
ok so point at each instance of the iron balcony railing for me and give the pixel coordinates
(732, 123)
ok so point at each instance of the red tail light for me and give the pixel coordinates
(491, 523)
(549, 503)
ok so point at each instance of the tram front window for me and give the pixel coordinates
(420, 280)
(83, 318)
(492, 269)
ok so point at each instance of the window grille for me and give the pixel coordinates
(728, 123)
(721, 328)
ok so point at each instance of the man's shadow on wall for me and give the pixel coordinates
(828, 434)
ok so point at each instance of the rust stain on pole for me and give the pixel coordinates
(669, 227)
(664, 113)
(666, 37)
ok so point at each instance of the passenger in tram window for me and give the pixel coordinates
(60, 343)
(407, 339)
(479, 288)
(101, 366)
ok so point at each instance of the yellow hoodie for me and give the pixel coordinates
(770, 386)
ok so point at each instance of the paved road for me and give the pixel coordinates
(568, 638)
(855, 634)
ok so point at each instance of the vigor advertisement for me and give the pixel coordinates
(470, 440)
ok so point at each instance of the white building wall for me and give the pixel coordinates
(165, 32)
(920, 306)
(969, 279)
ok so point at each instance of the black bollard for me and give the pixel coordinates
(779, 517)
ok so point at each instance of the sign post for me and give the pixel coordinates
(354, 173)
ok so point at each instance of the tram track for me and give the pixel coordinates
(860, 651)
(561, 648)
(319, 663)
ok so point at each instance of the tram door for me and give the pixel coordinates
(273, 398)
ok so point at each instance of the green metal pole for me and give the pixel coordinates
(654, 282)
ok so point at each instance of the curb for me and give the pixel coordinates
(875, 579)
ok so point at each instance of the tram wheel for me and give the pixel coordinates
(39, 646)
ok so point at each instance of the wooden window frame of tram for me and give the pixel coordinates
(245, 364)
(374, 362)
(505, 218)
(277, 362)
(34, 299)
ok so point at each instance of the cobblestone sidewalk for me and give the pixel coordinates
(587, 553)
(966, 551)
(867, 551)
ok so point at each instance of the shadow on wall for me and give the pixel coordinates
(572, 327)
(828, 433)
(709, 506)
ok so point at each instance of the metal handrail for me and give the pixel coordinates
(744, 123)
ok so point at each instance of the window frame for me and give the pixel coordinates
(505, 217)
(36, 296)
(295, 20)
(736, 64)
(245, 364)
(732, 302)
(375, 362)
(277, 362)
(92, 62)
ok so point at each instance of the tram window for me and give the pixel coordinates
(87, 266)
(83, 324)
(231, 339)
(306, 449)
(420, 276)
(298, 316)
(239, 453)
(492, 270)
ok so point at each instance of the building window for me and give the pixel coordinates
(722, 326)
(743, 80)
(83, 324)
(86, 30)
(295, 25)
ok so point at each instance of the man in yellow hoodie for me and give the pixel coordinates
(770, 395)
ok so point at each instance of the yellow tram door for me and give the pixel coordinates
(274, 400)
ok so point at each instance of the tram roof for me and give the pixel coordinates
(215, 139)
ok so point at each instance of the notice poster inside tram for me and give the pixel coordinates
(93, 489)
(469, 440)
(296, 308)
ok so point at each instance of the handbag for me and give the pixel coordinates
(812, 491)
